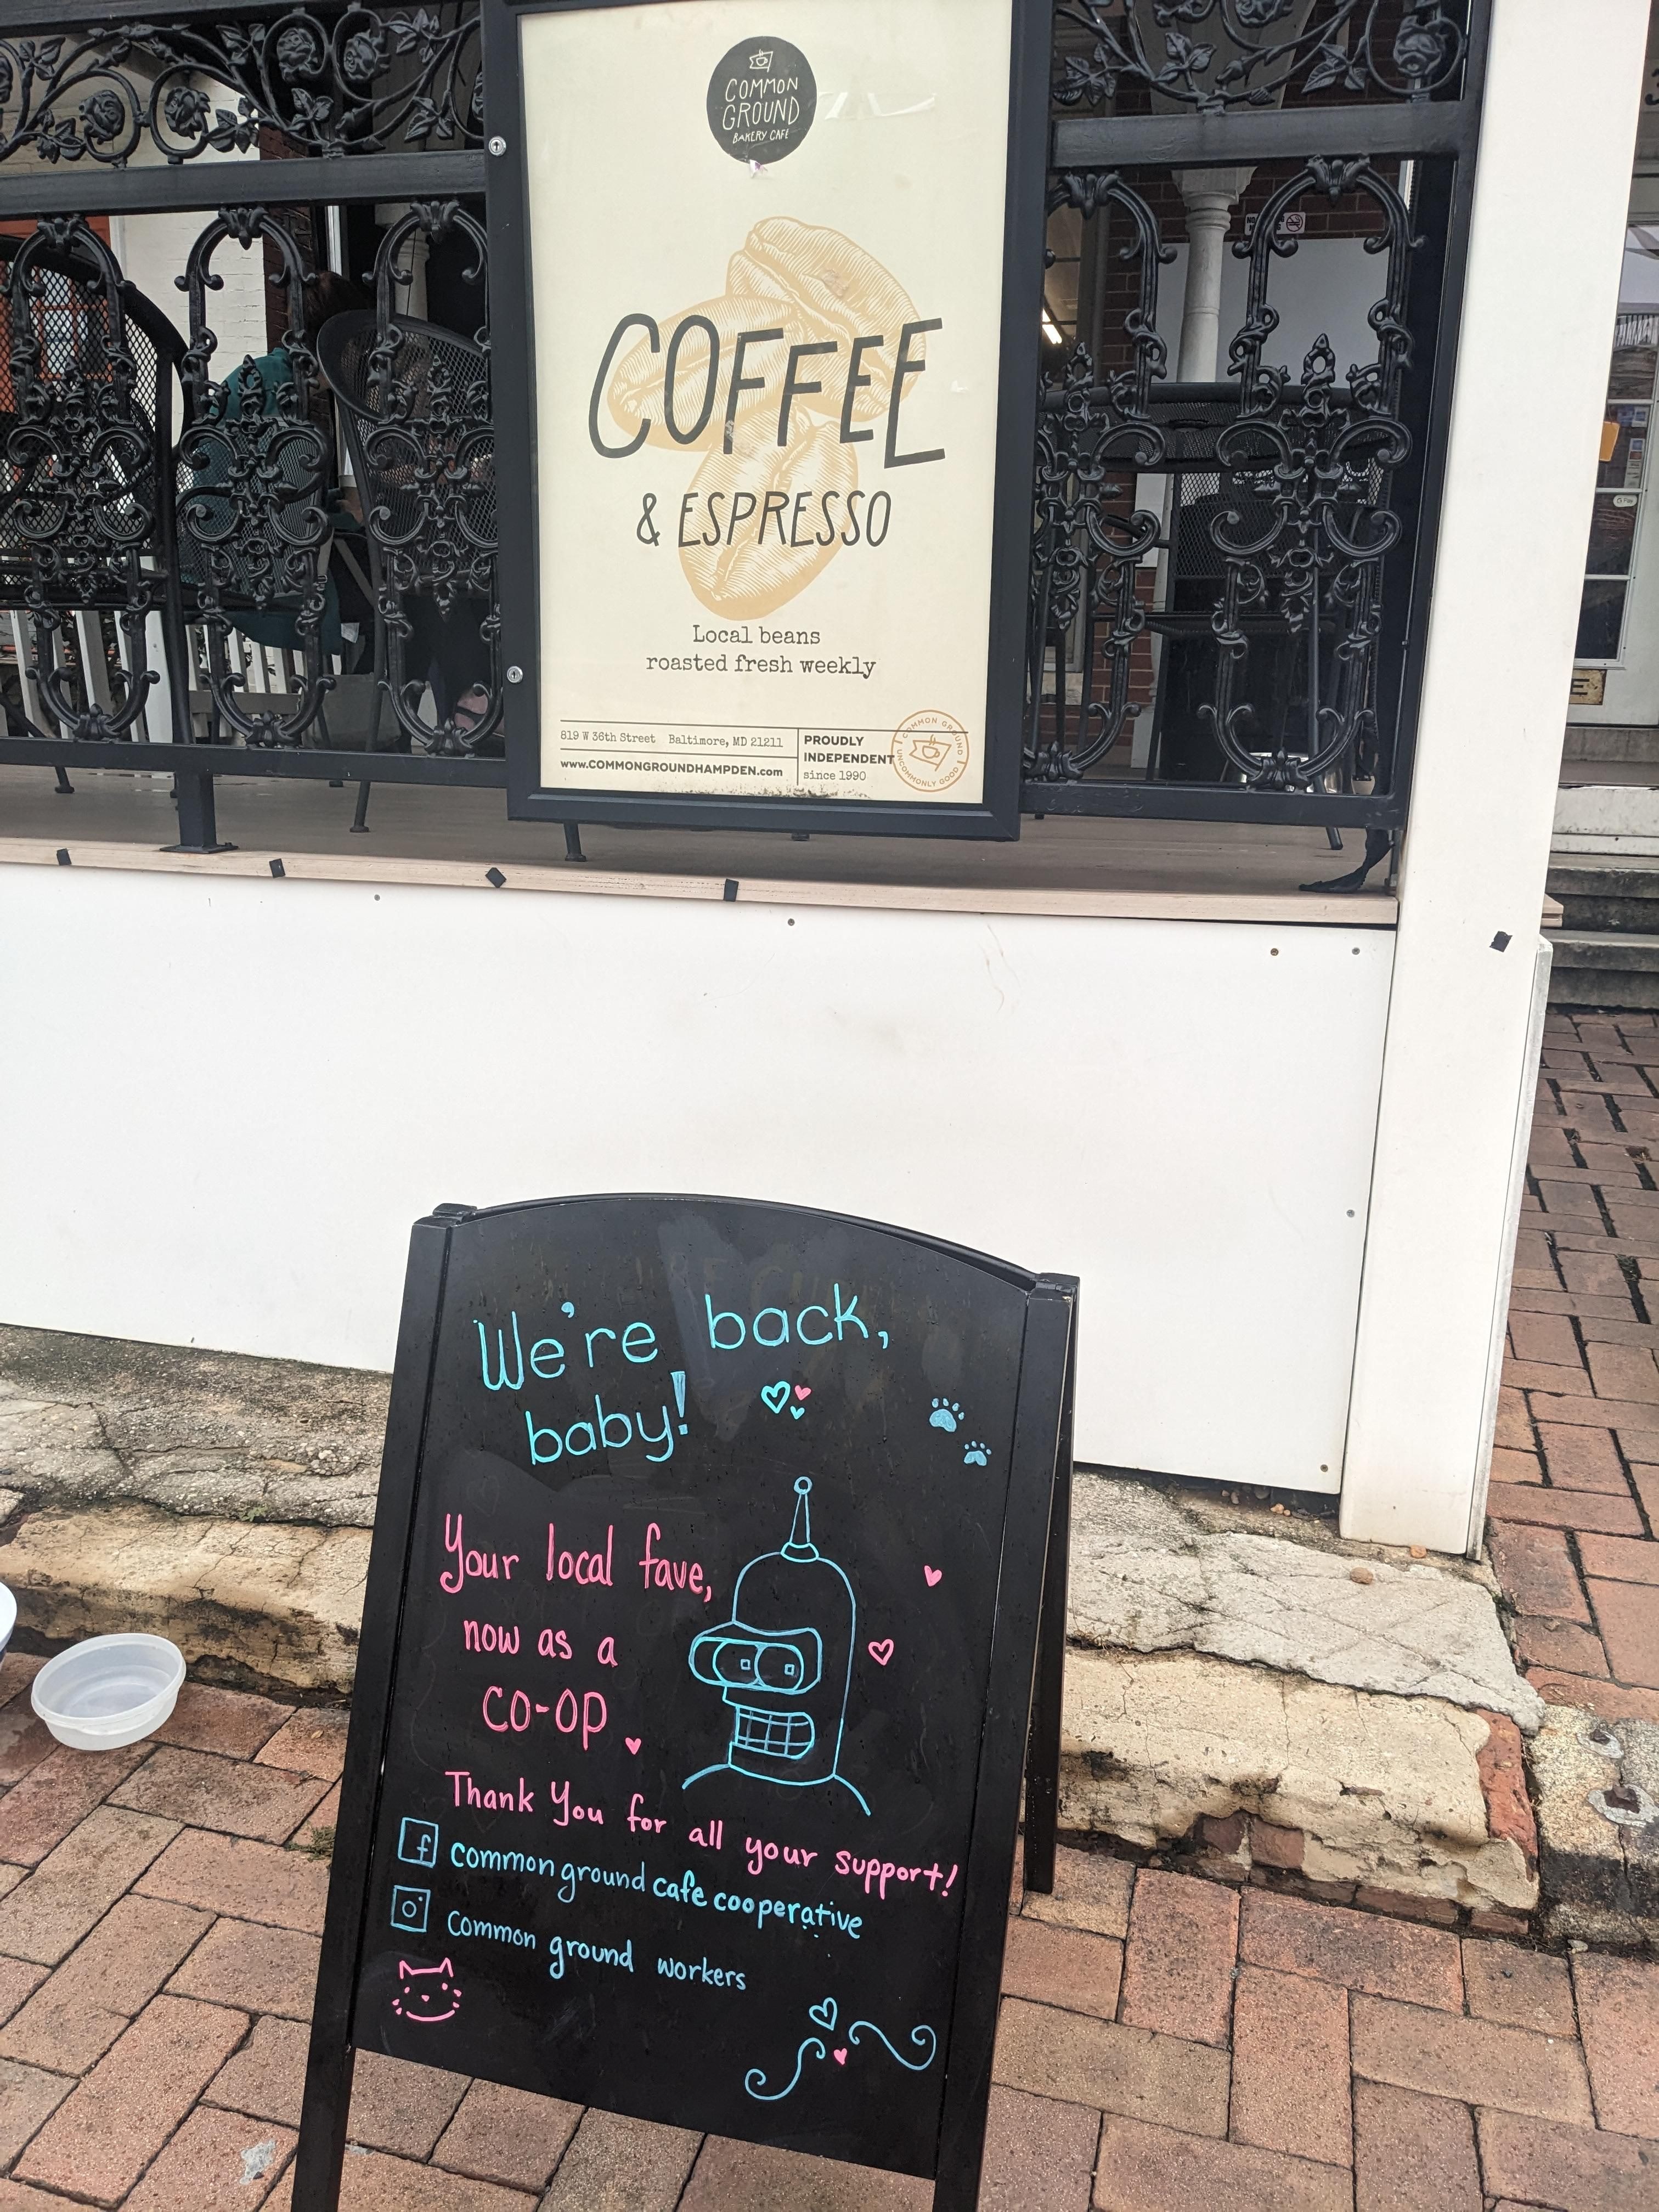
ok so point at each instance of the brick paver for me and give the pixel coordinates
(1476, 2061)
(110, 2128)
(1526, 1989)
(69, 2022)
(267, 2076)
(229, 1795)
(1412, 2151)
(1360, 1950)
(1291, 2067)
(215, 2161)
(1039, 2155)
(233, 1874)
(1061, 1967)
(225, 1721)
(1574, 1545)
(506, 2136)
(1570, 2169)
(1178, 1964)
(73, 1887)
(1619, 2011)
(1152, 2169)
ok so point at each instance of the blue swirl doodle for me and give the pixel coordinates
(757, 2074)
(923, 2038)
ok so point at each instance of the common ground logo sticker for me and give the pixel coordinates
(762, 100)
(929, 751)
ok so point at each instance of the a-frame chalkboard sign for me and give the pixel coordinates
(715, 1612)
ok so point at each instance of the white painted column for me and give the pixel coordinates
(1562, 99)
(1210, 195)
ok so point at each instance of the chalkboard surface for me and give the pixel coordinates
(702, 1626)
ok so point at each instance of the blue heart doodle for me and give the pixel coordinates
(824, 2015)
(775, 1397)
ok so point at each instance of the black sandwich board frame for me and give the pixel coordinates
(513, 381)
(1019, 1743)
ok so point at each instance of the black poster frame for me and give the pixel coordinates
(1019, 1743)
(513, 374)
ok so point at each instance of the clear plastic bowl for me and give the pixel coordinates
(7, 1617)
(109, 1690)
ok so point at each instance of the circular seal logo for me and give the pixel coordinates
(929, 749)
(762, 100)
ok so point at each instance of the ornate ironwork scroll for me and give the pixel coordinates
(360, 80)
(419, 397)
(1288, 480)
(253, 466)
(78, 498)
(1317, 455)
(1093, 435)
(1215, 55)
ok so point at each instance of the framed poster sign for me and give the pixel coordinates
(766, 283)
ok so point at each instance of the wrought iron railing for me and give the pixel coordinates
(278, 551)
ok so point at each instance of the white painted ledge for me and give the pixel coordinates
(1344, 910)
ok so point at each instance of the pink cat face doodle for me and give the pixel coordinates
(426, 1994)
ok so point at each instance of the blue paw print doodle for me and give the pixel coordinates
(946, 1415)
(976, 1455)
(824, 2015)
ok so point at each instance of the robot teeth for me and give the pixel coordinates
(775, 1735)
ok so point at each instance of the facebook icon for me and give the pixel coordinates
(417, 1843)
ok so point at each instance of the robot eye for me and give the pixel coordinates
(779, 1666)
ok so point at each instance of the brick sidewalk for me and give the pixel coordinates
(158, 1944)
(1575, 1479)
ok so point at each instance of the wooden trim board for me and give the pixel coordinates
(1361, 910)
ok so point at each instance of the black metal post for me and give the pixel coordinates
(1039, 1449)
(327, 2106)
(198, 828)
(1043, 1751)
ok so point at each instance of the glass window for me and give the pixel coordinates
(1622, 464)
(1613, 533)
(1601, 619)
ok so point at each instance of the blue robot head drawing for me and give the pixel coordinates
(783, 1663)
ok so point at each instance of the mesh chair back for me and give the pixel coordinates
(86, 402)
(418, 425)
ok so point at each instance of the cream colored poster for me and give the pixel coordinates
(767, 250)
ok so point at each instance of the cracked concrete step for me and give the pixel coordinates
(1149, 1575)
(85, 1419)
(256, 1606)
(1406, 1796)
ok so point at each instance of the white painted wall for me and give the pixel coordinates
(1543, 279)
(225, 1101)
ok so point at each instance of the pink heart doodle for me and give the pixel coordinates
(934, 1575)
(803, 1390)
(881, 1652)
(634, 1743)
(839, 2057)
